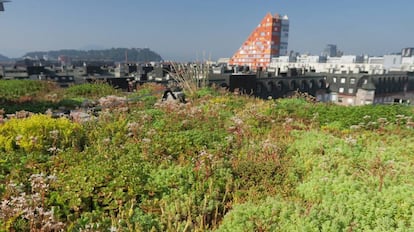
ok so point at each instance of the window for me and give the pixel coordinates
(352, 81)
(340, 99)
(334, 80)
(351, 91)
(341, 90)
(343, 80)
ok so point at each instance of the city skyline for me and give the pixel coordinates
(189, 30)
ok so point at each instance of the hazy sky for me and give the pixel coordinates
(199, 29)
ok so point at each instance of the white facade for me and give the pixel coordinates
(392, 62)
(376, 60)
(283, 59)
(407, 60)
(407, 64)
(350, 59)
(305, 59)
(223, 60)
(312, 64)
(345, 64)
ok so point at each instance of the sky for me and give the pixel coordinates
(203, 29)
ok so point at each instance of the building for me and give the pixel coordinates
(349, 85)
(330, 51)
(407, 60)
(268, 40)
(305, 59)
(13, 72)
(268, 85)
(322, 64)
(363, 88)
(2, 5)
(392, 62)
(403, 61)
(407, 52)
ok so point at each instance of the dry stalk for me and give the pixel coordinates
(190, 77)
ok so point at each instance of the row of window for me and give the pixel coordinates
(258, 47)
(384, 81)
(259, 43)
(274, 33)
(350, 90)
(303, 85)
(343, 80)
(352, 80)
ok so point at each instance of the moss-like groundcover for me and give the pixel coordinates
(220, 162)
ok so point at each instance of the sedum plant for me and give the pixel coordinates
(40, 133)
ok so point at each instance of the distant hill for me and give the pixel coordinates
(3, 58)
(113, 54)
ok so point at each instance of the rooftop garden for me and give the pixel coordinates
(220, 162)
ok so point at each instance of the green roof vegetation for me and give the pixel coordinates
(221, 162)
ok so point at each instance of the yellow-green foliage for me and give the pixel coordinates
(12, 90)
(39, 133)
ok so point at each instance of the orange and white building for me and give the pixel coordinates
(268, 40)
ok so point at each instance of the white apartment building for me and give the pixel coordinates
(346, 64)
(320, 64)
